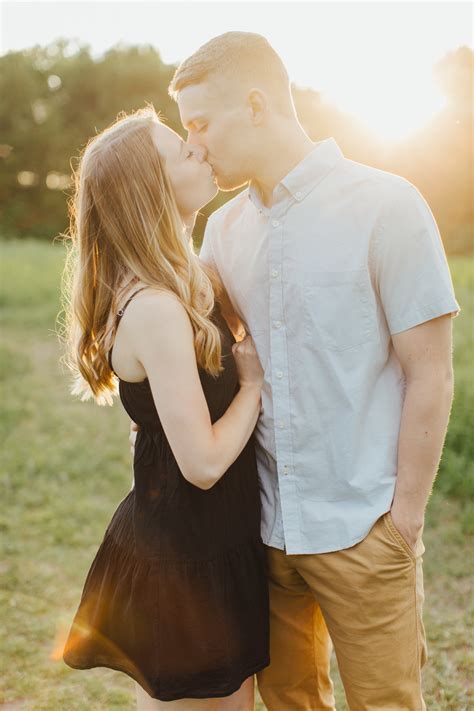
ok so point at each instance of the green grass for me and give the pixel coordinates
(66, 465)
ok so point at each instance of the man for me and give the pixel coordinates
(339, 274)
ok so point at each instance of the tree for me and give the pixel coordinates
(55, 98)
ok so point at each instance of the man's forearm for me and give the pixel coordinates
(422, 432)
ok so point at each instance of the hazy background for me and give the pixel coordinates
(391, 81)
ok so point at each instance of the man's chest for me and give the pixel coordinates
(304, 270)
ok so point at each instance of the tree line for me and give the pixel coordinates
(55, 98)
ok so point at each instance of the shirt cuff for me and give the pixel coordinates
(420, 314)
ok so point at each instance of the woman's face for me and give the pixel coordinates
(191, 177)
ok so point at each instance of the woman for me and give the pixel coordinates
(176, 596)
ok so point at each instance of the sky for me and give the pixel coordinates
(373, 59)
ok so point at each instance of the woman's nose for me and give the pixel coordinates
(201, 153)
(198, 149)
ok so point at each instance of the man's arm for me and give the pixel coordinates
(425, 354)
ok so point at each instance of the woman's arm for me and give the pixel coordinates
(160, 333)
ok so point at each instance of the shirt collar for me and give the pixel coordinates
(304, 177)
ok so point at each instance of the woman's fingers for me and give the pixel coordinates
(133, 435)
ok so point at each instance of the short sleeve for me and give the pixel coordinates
(409, 263)
(206, 254)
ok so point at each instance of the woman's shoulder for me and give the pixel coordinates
(156, 328)
(156, 304)
(159, 310)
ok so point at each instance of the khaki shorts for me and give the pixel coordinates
(368, 600)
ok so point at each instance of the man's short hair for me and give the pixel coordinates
(244, 55)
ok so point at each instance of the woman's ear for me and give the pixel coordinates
(257, 106)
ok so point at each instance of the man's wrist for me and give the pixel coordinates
(409, 513)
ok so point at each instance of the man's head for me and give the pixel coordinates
(231, 93)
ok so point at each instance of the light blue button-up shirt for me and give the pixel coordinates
(346, 256)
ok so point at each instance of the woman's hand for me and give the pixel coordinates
(249, 369)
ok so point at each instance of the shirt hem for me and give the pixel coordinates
(310, 550)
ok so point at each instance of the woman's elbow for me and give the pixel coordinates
(203, 477)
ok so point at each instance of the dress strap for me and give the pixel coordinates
(122, 310)
(117, 319)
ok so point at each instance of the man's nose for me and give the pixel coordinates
(195, 139)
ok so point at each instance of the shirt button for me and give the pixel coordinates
(279, 374)
(285, 469)
(277, 324)
(274, 273)
(281, 425)
(298, 195)
(275, 223)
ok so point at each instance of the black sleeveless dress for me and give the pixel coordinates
(177, 594)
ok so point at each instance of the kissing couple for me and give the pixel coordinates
(290, 388)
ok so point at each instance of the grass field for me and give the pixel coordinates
(66, 465)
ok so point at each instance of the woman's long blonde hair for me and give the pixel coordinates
(124, 221)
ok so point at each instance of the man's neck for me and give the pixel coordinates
(287, 150)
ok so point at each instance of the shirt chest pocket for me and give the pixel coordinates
(339, 309)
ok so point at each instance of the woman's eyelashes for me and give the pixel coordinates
(194, 151)
(190, 153)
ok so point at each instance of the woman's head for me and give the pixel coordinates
(191, 177)
(136, 183)
(137, 171)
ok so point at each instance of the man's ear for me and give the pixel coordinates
(257, 106)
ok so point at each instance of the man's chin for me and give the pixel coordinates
(227, 184)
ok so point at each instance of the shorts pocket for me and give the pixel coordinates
(339, 309)
(397, 536)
